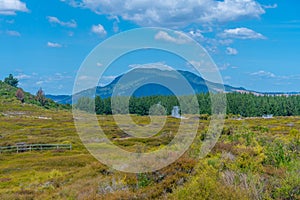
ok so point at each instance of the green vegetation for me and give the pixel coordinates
(10, 94)
(245, 105)
(40, 97)
(86, 104)
(10, 80)
(253, 159)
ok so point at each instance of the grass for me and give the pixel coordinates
(253, 159)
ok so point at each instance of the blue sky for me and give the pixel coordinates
(255, 44)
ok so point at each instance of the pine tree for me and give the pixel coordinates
(99, 105)
(10, 80)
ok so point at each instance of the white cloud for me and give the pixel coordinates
(200, 65)
(54, 45)
(108, 78)
(157, 65)
(10, 7)
(197, 34)
(55, 20)
(262, 73)
(225, 42)
(180, 38)
(13, 33)
(197, 64)
(231, 51)
(99, 30)
(115, 23)
(39, 82)
(223, 66)
(270, 6)
(116, 27)
(227, 78)
(99, 64)
(83, 77)
(105, 80)
(241, 33)
(174, 13)
(23, 76)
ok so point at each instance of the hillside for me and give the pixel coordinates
(8, 95)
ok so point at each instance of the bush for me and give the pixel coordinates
(277, 155)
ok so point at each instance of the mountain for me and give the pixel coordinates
(136, 77)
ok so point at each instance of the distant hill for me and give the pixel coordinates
(58, 98)
(198, 84)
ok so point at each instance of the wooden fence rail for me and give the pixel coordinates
(34, 147)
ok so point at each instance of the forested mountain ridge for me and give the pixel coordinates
(198, 84)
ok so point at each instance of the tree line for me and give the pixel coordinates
(245, 105)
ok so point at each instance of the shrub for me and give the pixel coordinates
(20, 95)
(277, 155)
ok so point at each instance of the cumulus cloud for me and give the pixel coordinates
(231, 51)
(54, 45)
(241, 33)
(174, 13)
(99, 30)
(179, 37)
(10, 7)
(55, 20)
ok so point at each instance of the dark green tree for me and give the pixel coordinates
(99, 105)
(85, 104)
(10, 80)
(246, 105)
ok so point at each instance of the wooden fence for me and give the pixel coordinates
(34, 147)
